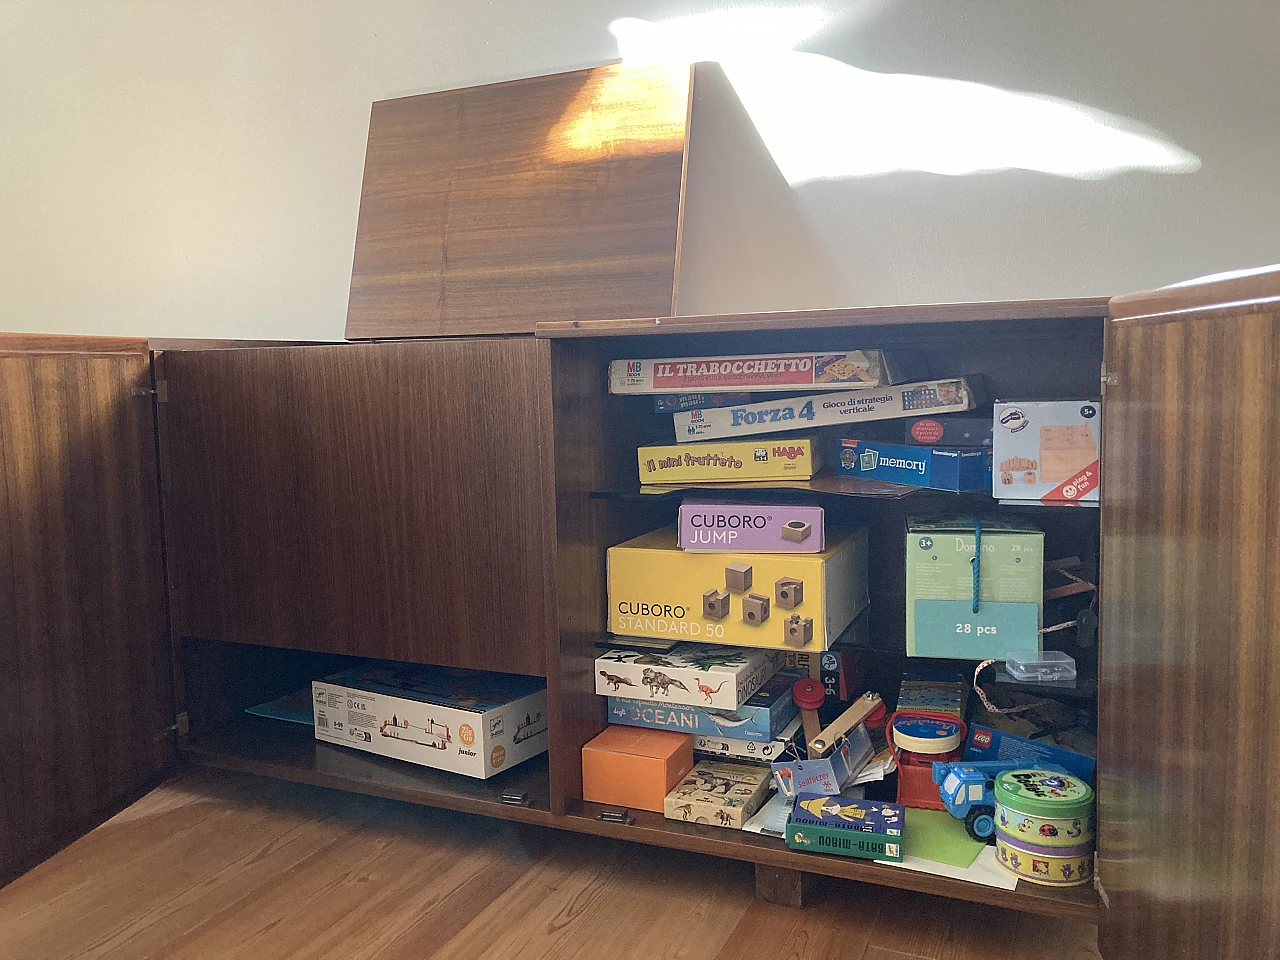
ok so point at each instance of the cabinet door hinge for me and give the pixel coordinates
(181, 726)
(1108, 379)
(161, 391)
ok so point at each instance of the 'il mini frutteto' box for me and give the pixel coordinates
(695, 674)
(847, 826)
(799, 601)
(1047, 451)
(718, 792)
(941, 621)
(954, 395)
(761, 719)
(735, 461)
(465, 721)
(940, 468)
(706, 526)
(631, 767)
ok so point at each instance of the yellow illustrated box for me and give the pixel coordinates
(790, 459)
(781, 601)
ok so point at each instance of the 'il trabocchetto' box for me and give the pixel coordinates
(940, 468)
(763, 372)
(790, 459)
(1047, 451)
(476, 724)
(941, 621)
(707, 526)
(800, 601)
(694, 674)
(829, 409)
(761, 719)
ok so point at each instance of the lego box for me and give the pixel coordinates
(1047, 451)
(693, 674)
(464, 721)
(762, 372)
(940, 468)
(790, 459)
(718, 792)
(846, 826)
(709, 527)
(827, 409)
(801, 601)
(761, 719)
(941, 621)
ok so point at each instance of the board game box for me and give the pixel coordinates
(671, 402)
(761, 719)
(694, 674)
(718, 792)
(846, 826)
(747, 750)
(940, 468)
(708, 526)
(796, 458)
(763, 372)
(1047, 451)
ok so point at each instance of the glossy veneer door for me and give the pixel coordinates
(86, 684)
(1189, 785)
(388, 500)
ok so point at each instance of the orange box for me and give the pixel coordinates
(635, 767)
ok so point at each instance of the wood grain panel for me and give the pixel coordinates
(1246, 286)
(488, 209)
(85, 684)
(1189, 812)
(386, 500)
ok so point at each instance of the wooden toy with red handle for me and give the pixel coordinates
(808, 695)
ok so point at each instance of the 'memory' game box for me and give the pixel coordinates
(464, 721)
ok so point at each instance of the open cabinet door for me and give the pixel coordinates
(1189, 797)
(85, 676)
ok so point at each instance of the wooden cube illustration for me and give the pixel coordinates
(737, 576)
(788, 592)
(797, 630)
(755, 608)
(797, 531)
(715, 604)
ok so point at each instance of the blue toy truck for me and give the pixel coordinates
(967, 788)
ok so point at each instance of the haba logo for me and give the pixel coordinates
(466, 734)
(498, 756)
(981, 738)
(495, 726)
(635, 366)
(791, 453)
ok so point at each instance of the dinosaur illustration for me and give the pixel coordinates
(706, 689)
(711, 783)
(705, 661)
(686, 809)
(655, 680)
(652, 660)
(619, 656)
(615, 682)
(724, 817)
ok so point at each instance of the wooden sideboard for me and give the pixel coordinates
(450, 501)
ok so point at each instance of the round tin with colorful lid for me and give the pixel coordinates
(1044, 807)
(926, 734)
(1049, 866)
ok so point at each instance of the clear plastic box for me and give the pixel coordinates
(1051, 665)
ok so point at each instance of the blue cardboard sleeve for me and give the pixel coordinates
(940, 468)
(760, 719)
(987, 744)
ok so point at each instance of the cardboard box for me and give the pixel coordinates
(828, 409)
(695, 674)
(826, 775)
(1047, 451)
(634, 768)
(790, 459)
(708, 526)
(718, 792)
(940, 617)
(940, 468)
(657, 590)
(747, 750)
(763, 372)
(987, 744)
(671, 402)
(468, 722)
(933, 691)
(954, 430)
(847, 826)
(761, 719)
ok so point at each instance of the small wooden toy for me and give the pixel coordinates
(715, 604)
(789, 592)
(918, 738)
(737, 576)
(808, 695)
(797, 630)
(755, 608)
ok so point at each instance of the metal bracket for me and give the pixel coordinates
(513, 798)
(161, 391)
(616, 816)
(1108, 379)
(181, 726)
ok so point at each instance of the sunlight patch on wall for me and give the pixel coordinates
(822, 118)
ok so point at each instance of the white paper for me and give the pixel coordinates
(985, 870)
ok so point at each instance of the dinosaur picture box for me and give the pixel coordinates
(718, 793)
(690, 674)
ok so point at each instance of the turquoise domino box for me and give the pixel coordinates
(941, 619)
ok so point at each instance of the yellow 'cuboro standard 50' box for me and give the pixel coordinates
(797, 601)
(727, 461)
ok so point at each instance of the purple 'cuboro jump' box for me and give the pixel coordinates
(707, 526)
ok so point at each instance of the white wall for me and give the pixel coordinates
(193, 169)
